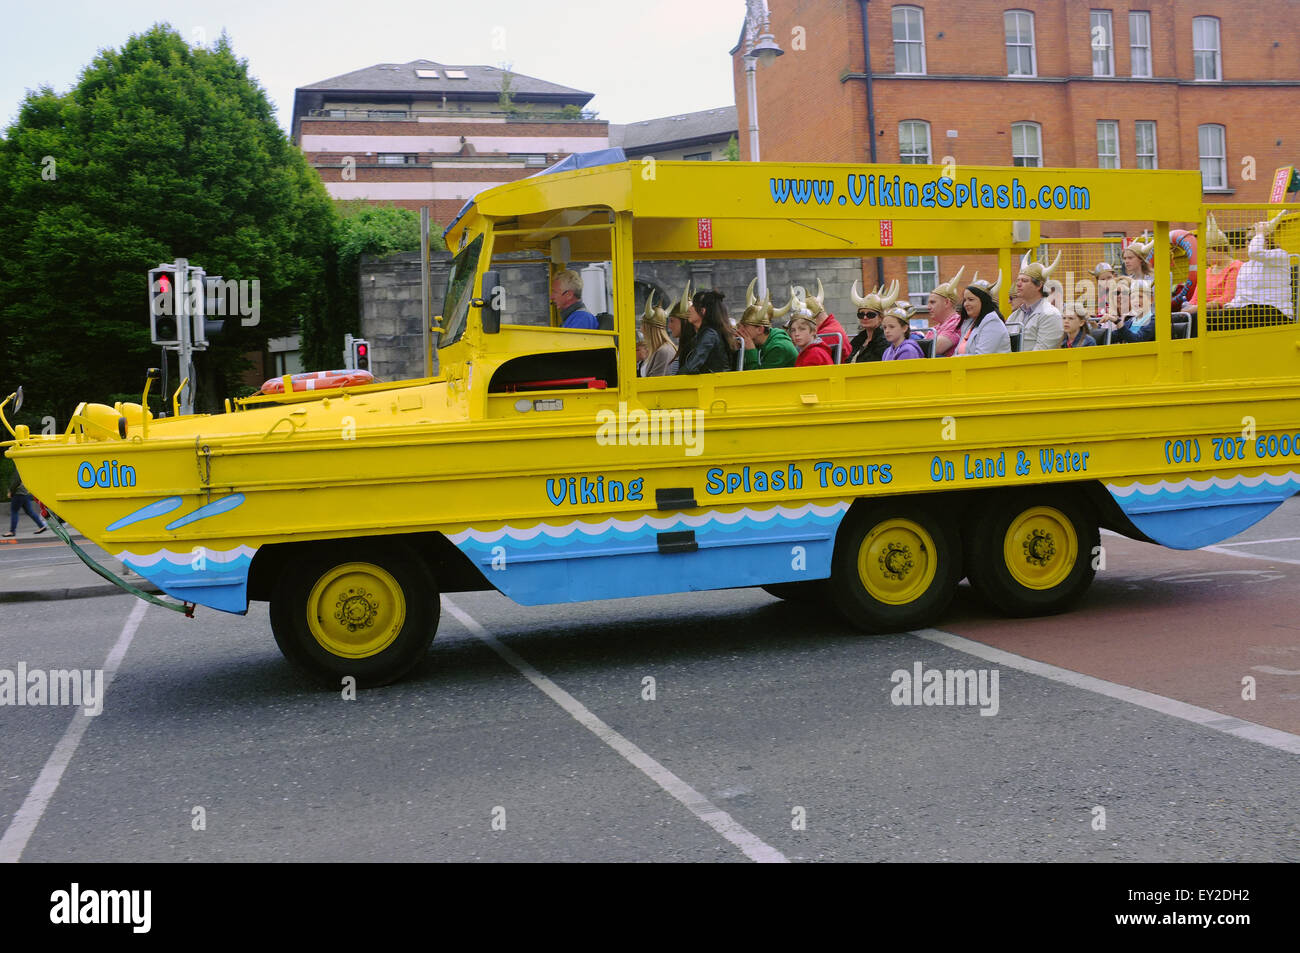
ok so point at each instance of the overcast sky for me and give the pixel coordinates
(641, 59)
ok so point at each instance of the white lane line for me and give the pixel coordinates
(1248, 730)
(694, 801)
(1232, 552)
(1261, 542)
(29, 815)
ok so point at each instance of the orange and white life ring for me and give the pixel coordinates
(319, 380)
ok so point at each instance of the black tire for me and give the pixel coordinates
(812, 591)
(1031, 552)
(365, 609)
(895, 567)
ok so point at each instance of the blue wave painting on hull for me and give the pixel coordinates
(1189, 514)
(554, 563)
(217, 579)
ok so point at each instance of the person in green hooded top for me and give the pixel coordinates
(765, 346)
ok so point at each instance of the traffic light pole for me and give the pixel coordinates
(185, 351)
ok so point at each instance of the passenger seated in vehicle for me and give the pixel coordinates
(660, 349)
(714, 344)
(1076, 327)
(1137, 263)
(898, 333)
(869, 343)
(642, 352)
(566, 295)
(765, 346)
(1221, 275)
(944, 316)
(1181, 240)
(683, 333)
(1041, 325)
(826, 323)
(1263, 293)
(982, 330)
(1138, 325)
(803, 331)
(1104, 277)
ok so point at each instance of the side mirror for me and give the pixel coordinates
(18, 400)
(489, 304)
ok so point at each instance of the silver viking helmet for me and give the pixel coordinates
(992, 289)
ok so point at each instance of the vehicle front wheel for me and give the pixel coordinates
(1032, 552)
(361, 609)
(895, 567)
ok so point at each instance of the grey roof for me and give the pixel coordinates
(401, 78)
(699, 126)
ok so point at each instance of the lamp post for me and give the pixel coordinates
(760, 47)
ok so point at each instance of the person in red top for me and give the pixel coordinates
(1221, 276)
(826, 323)
(803, 331)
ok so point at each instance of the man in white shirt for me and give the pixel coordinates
(1263, 294)
(1041, 326)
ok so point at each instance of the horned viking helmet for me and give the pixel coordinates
(1037, 270)
(879, 299)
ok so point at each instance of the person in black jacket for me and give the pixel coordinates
(713, 348)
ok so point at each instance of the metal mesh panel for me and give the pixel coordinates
(1253, 255)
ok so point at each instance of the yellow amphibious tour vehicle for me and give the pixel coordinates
(537, 463)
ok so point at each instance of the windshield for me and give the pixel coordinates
(460, 291)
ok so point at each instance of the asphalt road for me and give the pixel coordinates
(529, 733)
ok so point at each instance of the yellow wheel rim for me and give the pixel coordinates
(897, 562)
(1041, 548)
(356, 610)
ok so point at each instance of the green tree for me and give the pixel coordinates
(161, 150)
(360, 229)
(732, 152)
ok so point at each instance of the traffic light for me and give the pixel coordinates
(164, 329)
(213, 302)
(360, 354)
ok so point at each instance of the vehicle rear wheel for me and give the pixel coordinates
(895, 568)
(360, 609)
(1031, 552)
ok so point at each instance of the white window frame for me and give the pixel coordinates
(1205, 156)
(403, 158)
(1098, 18)
(1139, 38)
(1217, 50)
(1154, 154)
(1109, 128)
(910, 158)
(925, 268)
(1020, 43)
(1037, 129)
(909, 41)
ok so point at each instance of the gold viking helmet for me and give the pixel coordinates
(816, 304)
(1214, 237)
(680, 307)
(879, 300)
(758, 311)
(1272, 223)
(992, 289)
(951, 289)
(652, 315)
(1144, 249)
(1037, 270)
(776, 314)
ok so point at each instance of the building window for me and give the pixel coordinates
(1103, 43)
(1026, 144)
(909, 40)
(1145, 131)
(1107, 144)
(1019, 28)
(1139, 44)
(699, 156)
(395, 158)
(1205, 48)
(922, 276)
(1212, 144)
(914, 142)
(388, 114)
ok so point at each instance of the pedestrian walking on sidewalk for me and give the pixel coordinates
(20, 499)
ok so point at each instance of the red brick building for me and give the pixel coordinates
(427, 134)
(1171, 84)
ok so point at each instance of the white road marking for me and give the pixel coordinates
(29, 815)
(1270, 670)
(1261, 542)
(693, 800)
(1248, 730)
(1232, 552)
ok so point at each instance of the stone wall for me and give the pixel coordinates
(390, 295)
